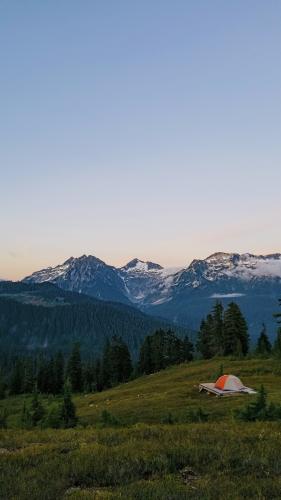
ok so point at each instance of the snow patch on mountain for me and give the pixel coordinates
(145, 282)
(226, 295)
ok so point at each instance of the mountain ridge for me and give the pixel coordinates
(172, 293)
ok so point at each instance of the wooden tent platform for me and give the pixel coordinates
(211, 389)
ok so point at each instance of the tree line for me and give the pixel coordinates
(48, 375)
(163, 349)
(223, 332)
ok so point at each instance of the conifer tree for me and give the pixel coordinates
(145, 361)
(163, 349)
(74, 369)
(204, 340)
(68, 410)
(263, 344)
(126, 363)
(187, 349)
(42, 382)
(16, 383)
(117, 365)
(121, 360)
(28, 376)
(236, 338)
(50, 377)
(158, 350)
(37, 411)
(217, 330)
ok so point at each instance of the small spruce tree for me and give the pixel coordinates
(263, 344)
(68, 410)
(187, 349)
(217, 330)
(37, 411)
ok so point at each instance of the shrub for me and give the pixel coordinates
(54, 417)
(26, 420)
(108, 419)
(259, 409)
(168, 419)
(197, 415)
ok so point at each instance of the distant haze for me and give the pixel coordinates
(138, 129)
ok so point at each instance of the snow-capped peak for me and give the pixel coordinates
(246, 265)
(140, 265)
(233, 265)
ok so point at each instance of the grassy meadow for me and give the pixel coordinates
(149, 448)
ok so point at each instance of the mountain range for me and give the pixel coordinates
(182, 296)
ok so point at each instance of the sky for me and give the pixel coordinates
(146, 129)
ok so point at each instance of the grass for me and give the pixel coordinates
(141, 458)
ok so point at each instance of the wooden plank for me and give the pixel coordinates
(210, 388)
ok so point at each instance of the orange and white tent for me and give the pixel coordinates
(229, 383)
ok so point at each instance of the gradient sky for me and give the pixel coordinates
(130, 128)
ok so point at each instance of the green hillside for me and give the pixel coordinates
(44, 318)
(138, 455)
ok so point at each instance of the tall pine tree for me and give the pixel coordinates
(236, 338)
(17, 378)
(145, 361)
(217, 330)
(68, 410)
(204, 339)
